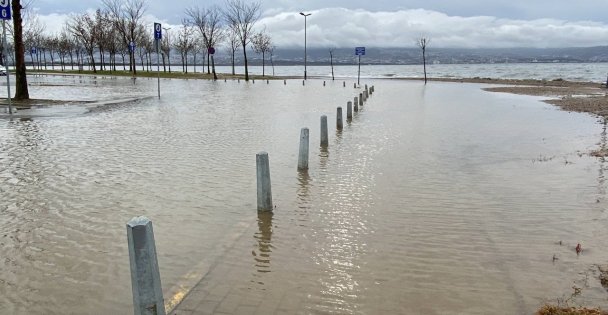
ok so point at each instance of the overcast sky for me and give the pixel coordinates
(396, 23)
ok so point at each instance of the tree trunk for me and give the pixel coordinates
(213, 67)
(233, 52)
(424, 63)
(245, 57)
(21, 92)
(44, 58)
(331, 56)
(93, 61)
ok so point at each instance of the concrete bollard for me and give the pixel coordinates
(365, 95)
(253, 81)
(355, 85)
(263, 182)
(366, 89)
(343, 83)
(323, 83)
(339, 124)
(356, 102)
(303, 155)
(267, 81)
(303, 83)
(360, 99)
(225, 80)
(238, 80)
(324, 133)
(284, 82)
(145, 276)
(349, 111)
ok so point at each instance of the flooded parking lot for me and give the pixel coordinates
(437, 199)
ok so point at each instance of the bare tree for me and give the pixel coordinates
(126, 15)
(261, 45)
(83, 27)
(233, 45)
(272, 49)
(208, 23)
(331, 62)
(165, 48)
(241, 18)
(184, 44)
(21, 91)
(422, 42)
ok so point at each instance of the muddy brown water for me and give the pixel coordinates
(442, 199)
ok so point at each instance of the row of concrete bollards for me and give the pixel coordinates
(145, 275)
(262, 164)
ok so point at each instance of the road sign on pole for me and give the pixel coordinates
(158, 31)
(211, 50)
(158, 35)
(131, 46)
(359, 51)
(5, 10)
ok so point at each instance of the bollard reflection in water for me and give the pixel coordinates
(263, 247)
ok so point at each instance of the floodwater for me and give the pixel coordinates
(437, 199)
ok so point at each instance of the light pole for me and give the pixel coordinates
(168, 47)
(305, 16)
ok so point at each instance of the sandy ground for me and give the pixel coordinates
(571, 96)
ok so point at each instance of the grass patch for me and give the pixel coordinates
(154, 74)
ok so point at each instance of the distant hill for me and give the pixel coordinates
(343, 56)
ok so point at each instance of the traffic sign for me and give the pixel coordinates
(211, 50)
(5, 10)
(359, 51)
(33, 50)
(158, 31)
(132, 46)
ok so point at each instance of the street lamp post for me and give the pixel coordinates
(168, 46)
(305, 15)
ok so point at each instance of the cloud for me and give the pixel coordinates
(340, 27)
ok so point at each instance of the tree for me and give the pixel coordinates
(331, 62)
(126, 15)
(208, 23)
(21, 92)
(272, 49)
(241, 18)
(184, 44)
(422, 42)
(261, 45)
(83, 27)
(165, 48)
(233, 45)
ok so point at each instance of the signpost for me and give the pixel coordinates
(359, 51)
(158, 35)
(6, 14)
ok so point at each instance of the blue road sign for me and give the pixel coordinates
(359, 51)
(132, 46)
(5, 10)
(33, 50)
(158, 31)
